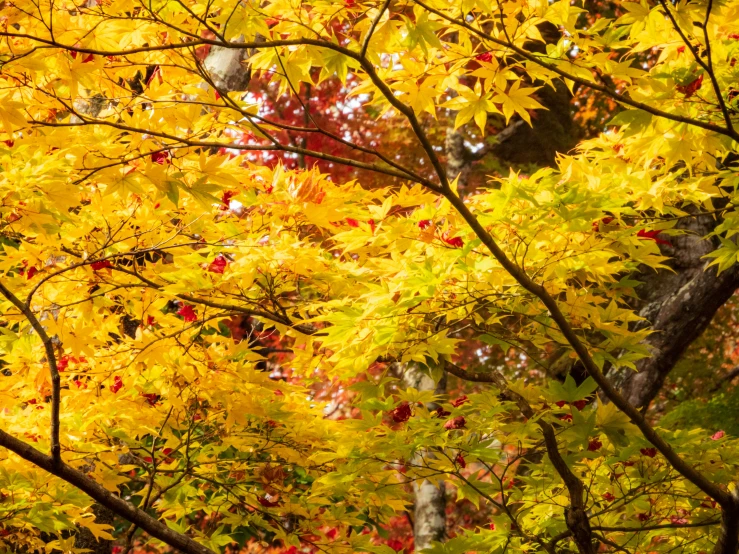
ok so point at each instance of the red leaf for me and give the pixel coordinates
(561, 403)
(401, 413)
(718, 435)
(151, 398)
(580, 404)
(372, 225)
(458, 422)
(227, 196)
(167, 451)
(150, 320)
(62, 364)
(484, 57)
(117, 384)
(424, 224)
(160, 157)
(609, 497)
(691, 88)
(31, 272)
(594, 445)
(734, 36)
(352, 222)
(677, 520)
(643, 517)
(492, 526)
(459, 401)
(442, 413)
(9, 143)
(218, 265)
(278, 392)
(651, 235)
(651, 452)
(566, 417)
(103, 264)
(460, 460)
(456, 242)
(681, 50)
(187, 313)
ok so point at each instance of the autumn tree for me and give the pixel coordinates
(166, 218)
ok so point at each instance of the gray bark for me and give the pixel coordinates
(678, 305)
(429, 512)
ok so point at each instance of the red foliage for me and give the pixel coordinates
(117, 384)
(160, 157)
(691, 88)
(103, 264)
(187, 313)
(459, 401)
(458, 422)
(580, 404)
(401, 413)
(218, 265)
(650, 452)
(456, 242)
(594, 445)
(651, 235)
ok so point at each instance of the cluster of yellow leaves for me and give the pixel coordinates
(139, 243)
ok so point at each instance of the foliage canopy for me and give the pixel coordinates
(150, 253)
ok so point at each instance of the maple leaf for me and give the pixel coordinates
(160, 157)
(458, 422)
(117, 384)
(691, 88)
(188, 313)
(103, 264)
(217, 266)
(459, 401)
(455, 242)
(580, 404)
(401, 413)
(651, 235)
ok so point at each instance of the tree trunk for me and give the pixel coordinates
(429, 513)
(678, 305)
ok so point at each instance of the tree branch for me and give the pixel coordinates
(154, 527)
(53, 370)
